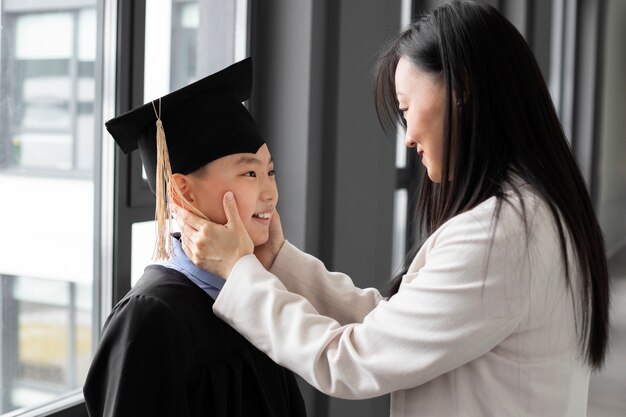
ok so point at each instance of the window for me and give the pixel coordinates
(59, 177)
(48, 130)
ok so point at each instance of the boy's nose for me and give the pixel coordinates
(269, 193)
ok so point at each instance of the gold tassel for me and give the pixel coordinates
(167, 192)
(163, 212)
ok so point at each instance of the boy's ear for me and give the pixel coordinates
(183, 184)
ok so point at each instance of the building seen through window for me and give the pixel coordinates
(48, 74)
(47, 154)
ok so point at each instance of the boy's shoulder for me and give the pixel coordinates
(182, 310)
(169, 287)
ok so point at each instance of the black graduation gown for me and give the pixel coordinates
(164, 353)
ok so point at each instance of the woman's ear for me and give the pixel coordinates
(184, 186)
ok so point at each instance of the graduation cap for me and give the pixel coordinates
(204, 121)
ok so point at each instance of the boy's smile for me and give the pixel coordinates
(263, 218)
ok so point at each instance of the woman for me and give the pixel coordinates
(503, 306)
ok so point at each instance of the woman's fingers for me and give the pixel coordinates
(232, 214)
(185, 217)
(211, 246)
(186, 249)
(276, 228)
(266, 253)
(194, 233)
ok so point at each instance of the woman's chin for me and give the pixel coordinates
(433, 177)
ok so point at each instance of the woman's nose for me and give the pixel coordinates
(409, 142)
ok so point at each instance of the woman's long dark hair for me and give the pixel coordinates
(505, 124)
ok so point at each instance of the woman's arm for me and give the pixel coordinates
(456, 308)
(332, 294)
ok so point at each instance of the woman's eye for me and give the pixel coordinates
(250, 174)
(272, 173)
(402, 118)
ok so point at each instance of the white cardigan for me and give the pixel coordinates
(475, 329)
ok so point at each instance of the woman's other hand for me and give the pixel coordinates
(214, 247)
(266, 253)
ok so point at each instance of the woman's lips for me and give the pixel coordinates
(420, 153)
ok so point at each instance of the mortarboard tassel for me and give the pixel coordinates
(167, 192)
(163, 212)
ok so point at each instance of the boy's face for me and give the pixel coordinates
(251, 179)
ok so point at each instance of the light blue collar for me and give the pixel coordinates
(211, 284)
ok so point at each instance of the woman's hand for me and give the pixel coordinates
(214, 247)
(266, 253)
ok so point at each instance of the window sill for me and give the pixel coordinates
(71, 405)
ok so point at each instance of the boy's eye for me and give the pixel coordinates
(272, 173)
(250, 174)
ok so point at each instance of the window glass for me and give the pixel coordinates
(32, 33)
(47, 146)
(143, 238)
(398, 248)
(143, 245)
(208, 35)
(49, 56)
(401, 149)
(401, 153)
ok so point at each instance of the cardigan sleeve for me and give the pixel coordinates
(469, 296)
(332, 294)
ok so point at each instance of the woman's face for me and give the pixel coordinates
(251, 179)
(421, 100)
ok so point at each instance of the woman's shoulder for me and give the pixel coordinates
(516, 199)
(509, 233)
(519, 212)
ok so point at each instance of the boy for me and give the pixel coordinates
(163, 352)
